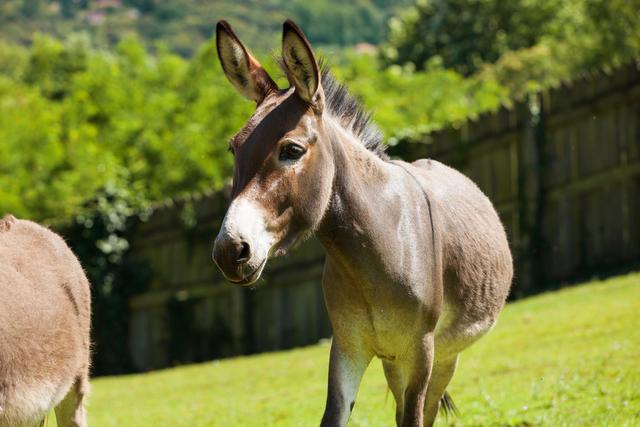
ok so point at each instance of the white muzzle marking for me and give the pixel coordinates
(246, 221)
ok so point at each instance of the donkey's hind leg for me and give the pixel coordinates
(71, 412)
(440, 376)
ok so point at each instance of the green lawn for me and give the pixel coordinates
(566, 358)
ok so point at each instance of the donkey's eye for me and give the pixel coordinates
(292, 152)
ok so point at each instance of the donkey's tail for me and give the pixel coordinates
(447, 407)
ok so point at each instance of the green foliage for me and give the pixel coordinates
(567, 37)
(183, 25)
(596, 33)
(525, 71)
(75, 120)
(405, 101)
(566, 358)
(325, 23)
(467, 33)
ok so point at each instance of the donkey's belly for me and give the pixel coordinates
(393, 334)
(455, 332)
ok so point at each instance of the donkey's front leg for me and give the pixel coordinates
(419, 369)
(347, 364)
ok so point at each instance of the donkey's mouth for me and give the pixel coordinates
(251, 277)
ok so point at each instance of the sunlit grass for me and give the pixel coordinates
(566, 358)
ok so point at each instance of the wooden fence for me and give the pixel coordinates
(563, 170)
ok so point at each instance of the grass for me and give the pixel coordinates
(565, 358)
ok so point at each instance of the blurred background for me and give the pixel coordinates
(114, 117)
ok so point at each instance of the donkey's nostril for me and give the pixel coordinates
(244, 252)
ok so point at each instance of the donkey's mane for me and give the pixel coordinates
(350, 113)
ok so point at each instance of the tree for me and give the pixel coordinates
(31, 8)
(67, 8)
(466, 33)
(616, 25)
(75, 120)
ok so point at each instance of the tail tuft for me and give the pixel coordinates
(447, 407)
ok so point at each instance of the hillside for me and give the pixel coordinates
(563, 358)
(183, 25)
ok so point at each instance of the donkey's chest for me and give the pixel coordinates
(388, 320)
(387, 305)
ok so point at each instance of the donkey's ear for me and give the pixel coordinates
(241, 68)
(302, 68)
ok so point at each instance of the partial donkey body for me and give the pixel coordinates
(418, 266)
(413, 277)
(44, 327)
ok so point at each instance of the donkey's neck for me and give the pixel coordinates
(378, 228)
(361, 210)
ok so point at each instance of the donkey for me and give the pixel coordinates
(417, 262)
(45, 311)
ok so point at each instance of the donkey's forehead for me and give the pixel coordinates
(278, 114)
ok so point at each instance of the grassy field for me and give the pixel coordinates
(566, 358)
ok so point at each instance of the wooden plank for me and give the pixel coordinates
(160, 297)
(596, 180)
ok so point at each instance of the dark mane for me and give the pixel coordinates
(351, 115)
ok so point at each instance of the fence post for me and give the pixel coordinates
(529, 268)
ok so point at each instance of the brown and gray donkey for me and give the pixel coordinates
(45, 314)
(418, 266)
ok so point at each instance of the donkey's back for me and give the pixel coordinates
(44, 327)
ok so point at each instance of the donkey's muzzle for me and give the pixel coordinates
(230, 254)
